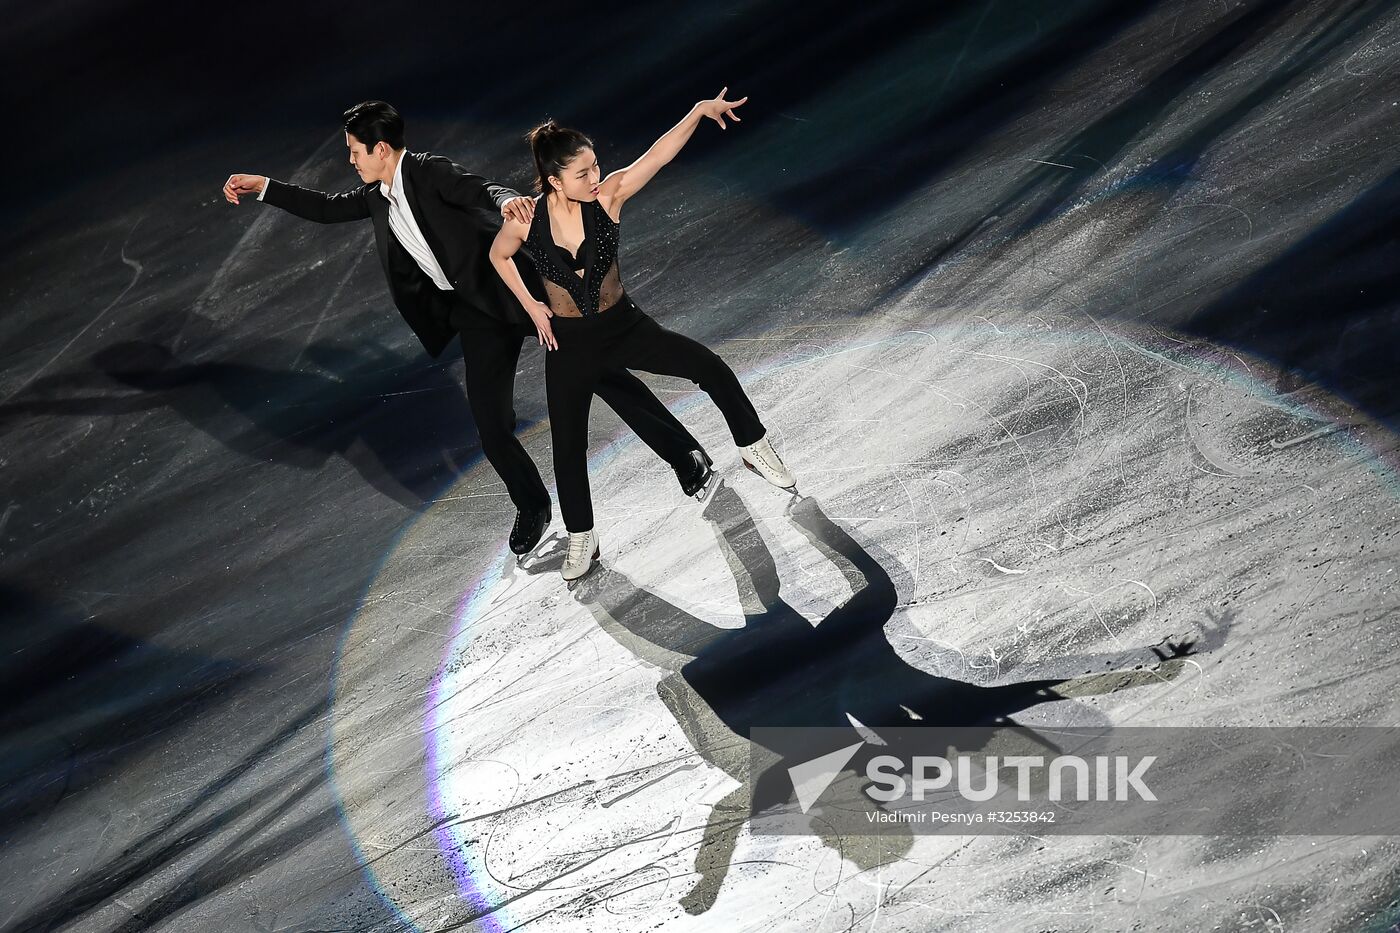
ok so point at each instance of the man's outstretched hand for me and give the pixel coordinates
(243, 184)
(521, 209)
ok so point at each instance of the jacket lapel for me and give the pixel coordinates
(410, 187)
(379, 215)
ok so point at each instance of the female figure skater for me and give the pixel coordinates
(590, 325)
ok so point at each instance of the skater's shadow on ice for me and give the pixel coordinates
(780, 670)
(403, 427)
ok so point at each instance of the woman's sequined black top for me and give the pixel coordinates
(571, 294)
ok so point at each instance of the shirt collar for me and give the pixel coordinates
(397, 183)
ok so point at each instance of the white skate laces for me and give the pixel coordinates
(582, 552)
(761, 458)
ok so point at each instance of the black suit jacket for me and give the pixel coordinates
(458, 213)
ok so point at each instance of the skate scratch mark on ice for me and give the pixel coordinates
(641, 787)
(1014, 440)
(1090, 597)
(479, 677)
(1247, 367)
(1085, 155)
(830, 896)
(992, 655)
(1307, 596)
(919, 382)
(913, 507)
(416, 605)
(866, 466)
(643, 279)
(591, 782)
(136, 268)
(330, 302)
(1020, 371)
(1010, 437)
(962, 53)
(1145, 587)
(1069, 381)
(1247, 219)
(1172, 685)
(400, 848)
(1123, 382)
(5, 519)
(1254, 701)
(1276, 444)
(864, 346)
(503, 694)
(999, 566)
(1056, 164)
(1157, 331)
(552, 882)
(877, 518)
(473, 495)
(422, 630)
(1017, 437)
(946, 646)
(251, 237)
(907, 378)
(1196, 440)
(929, 869)
(1346, 66)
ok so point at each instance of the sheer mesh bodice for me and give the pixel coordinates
(568, 293)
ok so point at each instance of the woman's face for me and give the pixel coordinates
(580, 178)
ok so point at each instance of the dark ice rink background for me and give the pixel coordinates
(213, 425)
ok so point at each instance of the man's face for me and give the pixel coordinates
(372, 163)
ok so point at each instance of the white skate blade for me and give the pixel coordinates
(540, 552)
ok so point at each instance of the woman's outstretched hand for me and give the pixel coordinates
(718, 108)
(540, 314)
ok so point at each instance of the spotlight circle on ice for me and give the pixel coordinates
(987, 508)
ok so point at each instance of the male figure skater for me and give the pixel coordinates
(434, 223)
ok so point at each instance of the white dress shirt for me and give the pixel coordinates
(405, 227)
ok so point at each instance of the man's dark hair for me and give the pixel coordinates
(373, 122)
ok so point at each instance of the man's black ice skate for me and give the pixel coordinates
(528, 529)
(696, 474)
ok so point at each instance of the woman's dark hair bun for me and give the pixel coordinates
(553, 147)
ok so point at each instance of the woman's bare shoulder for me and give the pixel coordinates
(612, 206)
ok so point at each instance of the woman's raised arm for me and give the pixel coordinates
(625, 182)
